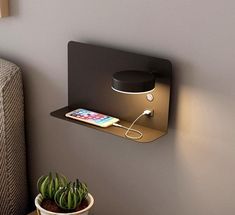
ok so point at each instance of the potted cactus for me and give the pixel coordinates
(58, 196)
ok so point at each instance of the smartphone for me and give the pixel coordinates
(92, 117)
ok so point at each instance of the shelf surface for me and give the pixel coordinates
(149, 134)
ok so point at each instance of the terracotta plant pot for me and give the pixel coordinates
(42, 211)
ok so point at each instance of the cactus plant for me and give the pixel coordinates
(48, 184)
(68, 196)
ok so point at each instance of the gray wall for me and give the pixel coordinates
(188, 172)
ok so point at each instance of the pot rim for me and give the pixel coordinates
(39, 196)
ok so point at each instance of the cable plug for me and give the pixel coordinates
(148, 112)
(117, 125)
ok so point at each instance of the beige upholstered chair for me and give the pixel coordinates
(13, 183)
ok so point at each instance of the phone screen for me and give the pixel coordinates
(92, 117)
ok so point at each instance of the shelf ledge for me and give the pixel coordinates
(149, 134)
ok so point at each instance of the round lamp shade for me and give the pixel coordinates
(131, 81)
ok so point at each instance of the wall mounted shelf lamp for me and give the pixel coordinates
(93, 70)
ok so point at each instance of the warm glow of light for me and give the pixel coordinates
(124, 92)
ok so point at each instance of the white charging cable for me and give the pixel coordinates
(147, 113)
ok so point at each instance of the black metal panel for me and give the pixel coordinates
(90, 70)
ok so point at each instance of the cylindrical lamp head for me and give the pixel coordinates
(133, 82)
